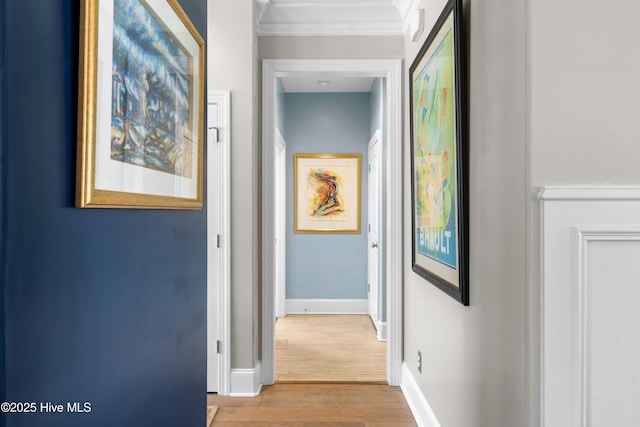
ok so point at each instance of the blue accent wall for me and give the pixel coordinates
(326, 266)
(3, 111)
(101, 306)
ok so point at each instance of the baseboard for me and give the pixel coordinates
(246, 382)
(327, 306)
(383, 331)
(418, 404)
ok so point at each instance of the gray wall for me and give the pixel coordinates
(273, 47)
(583, 112)
(474, 357)
(233, 66)
(327, 266)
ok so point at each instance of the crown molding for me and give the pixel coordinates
(332, 18)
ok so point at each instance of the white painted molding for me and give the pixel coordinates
(223, 171)
(418, 404)
(336, 18)
(331, 29)
(246, 382)
(391, 70)
(602, 192)
(581, 346)
(383, 331)
(571, 217)
(394, 222)
(326, 306)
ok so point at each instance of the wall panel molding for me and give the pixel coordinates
(589, 238)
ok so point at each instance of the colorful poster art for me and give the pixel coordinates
(434, 157)
(438, 158)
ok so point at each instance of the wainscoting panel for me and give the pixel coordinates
(590, 252)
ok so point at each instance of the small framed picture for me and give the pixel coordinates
(327, 193)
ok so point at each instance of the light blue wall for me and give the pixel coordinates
(326, 266)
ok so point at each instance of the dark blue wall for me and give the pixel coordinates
(102, 306)
(2, 201)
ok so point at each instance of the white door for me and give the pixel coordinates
(280, 223)
(213, 258)
(374, 226)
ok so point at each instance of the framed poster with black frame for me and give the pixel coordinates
(439, 169)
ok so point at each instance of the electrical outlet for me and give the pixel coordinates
(419, 361)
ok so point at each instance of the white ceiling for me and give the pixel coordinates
(333, 17)
(333, 84)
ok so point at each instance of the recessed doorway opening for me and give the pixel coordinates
(389, 71)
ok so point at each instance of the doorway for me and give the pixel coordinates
(390, 70)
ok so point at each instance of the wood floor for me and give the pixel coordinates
(315, 405)
(329, 347)
(330, 371)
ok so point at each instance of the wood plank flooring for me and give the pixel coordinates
(315, 405)
(329, 348)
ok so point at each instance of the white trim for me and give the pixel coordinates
(383, 331)
(570, 217)
(331, 29)
(582, 309)
(281, 286)
(246, 382)
(406, 9)
(418, 404)
(598, 192)
(223, 170)
(391, 70)
(326, 306)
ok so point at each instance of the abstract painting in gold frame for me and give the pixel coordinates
(327, 193)
(140, 106)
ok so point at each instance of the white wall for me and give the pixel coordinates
(233, 66)
(474, 361)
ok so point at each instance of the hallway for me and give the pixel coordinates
(340, 405)
(329, 347)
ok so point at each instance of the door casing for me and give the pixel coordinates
(391, 71)
(219, 249)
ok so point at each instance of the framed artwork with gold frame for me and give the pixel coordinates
(140, 106)
(327, 193)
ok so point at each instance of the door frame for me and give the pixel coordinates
(391, 70)
(281, 168)
(221, 172)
